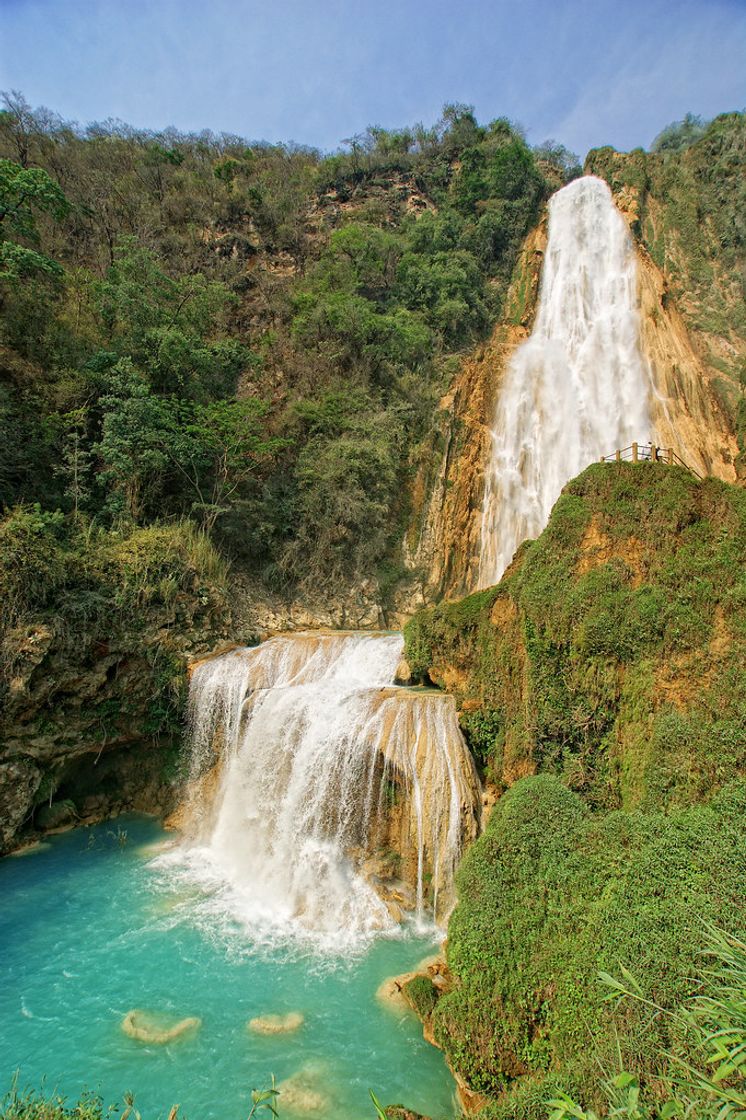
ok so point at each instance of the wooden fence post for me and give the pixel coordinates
(618, 455)
(669, 456)
(634, 452)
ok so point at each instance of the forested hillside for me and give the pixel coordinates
(250, 336)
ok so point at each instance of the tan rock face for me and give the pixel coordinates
(444, 539)
(686, 413)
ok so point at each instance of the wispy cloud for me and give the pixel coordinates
(584, 71)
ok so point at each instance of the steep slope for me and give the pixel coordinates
(94, 645)
(611, 651)
(601, 685)
(692, 339)
(686, 208)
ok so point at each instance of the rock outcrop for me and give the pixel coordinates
(90, 722)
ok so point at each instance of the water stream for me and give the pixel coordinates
(97, 925)
(324, 788)
(327, 809)
(578, 388)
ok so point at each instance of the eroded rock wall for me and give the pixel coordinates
(90, 723)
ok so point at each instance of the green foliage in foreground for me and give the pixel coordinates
(31, 1105)
(552, 894)
(713, 1085)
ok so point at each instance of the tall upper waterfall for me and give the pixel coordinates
(329, 799)
(578, 387)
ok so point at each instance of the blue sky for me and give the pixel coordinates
(585, 72)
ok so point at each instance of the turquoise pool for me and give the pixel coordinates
(95, 924)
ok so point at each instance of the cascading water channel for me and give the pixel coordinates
(325, 800)
(578, 388)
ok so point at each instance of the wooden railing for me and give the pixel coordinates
(648, 453)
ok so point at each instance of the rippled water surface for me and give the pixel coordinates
(94, 925)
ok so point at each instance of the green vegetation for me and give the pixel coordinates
(714, 1023)
(608, 664)
(421, 994)
(550, 895)
(691, 199)
(611, 654)
(253, 337)
(83, 595)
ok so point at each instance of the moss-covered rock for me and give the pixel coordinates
(611, 652)
(551, 895)
(601, 686)
(93, 664)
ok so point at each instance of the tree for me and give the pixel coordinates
(679, 134)
(217, 448)
(132, 441)
(23, 192)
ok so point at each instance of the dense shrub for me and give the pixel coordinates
(178, 277)
(553, 894)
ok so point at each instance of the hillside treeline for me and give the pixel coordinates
(250, 336)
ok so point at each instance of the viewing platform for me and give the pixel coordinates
(650, 453)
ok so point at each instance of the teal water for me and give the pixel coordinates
(93, 926)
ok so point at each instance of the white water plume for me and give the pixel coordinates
(325, 776)
(578, 388)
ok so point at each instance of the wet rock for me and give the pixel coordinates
(403, 672)
(277, 1024)
(59, 814)
(145, 1027)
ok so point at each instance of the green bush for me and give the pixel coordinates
(550, 895)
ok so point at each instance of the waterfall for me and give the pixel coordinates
(578, 387)
(325, 798)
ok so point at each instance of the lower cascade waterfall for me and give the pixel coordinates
(578, 388)
(324, 798)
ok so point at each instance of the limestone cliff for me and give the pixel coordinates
(443, 540)
(685, 210)
(692, 337)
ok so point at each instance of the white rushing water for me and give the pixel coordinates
(318, 766)
(578, 388)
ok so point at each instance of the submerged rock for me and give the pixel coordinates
(277, 1024)
(144, 1027)
(399, 1112)
(302, 1094)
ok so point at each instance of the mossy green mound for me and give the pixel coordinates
(551, 895)
(611, 653)
(601, 686)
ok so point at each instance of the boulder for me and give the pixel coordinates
(277, 1024)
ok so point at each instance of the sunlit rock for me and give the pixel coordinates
(277, 1024)
(147, 1027)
